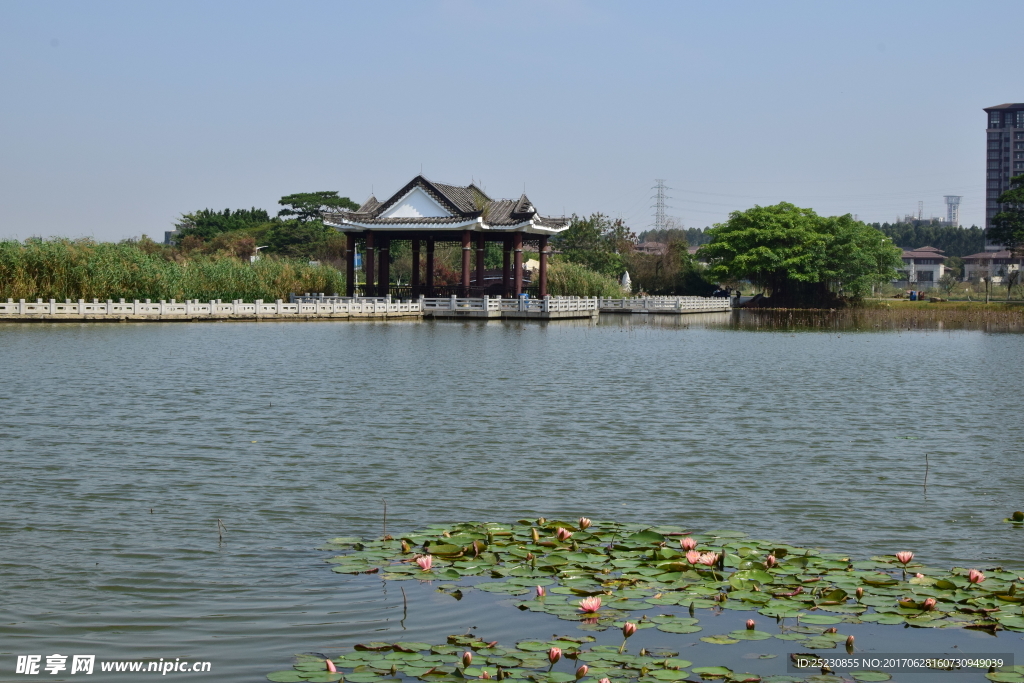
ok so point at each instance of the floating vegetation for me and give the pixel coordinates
(607, 575)
(599, 576)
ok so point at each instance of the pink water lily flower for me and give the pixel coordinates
(467, 658)
(904, 557)
(709, 559)
(581, 671)
(750, 624)
(605, 680)
(693, 557)
(770, 561)
(688, 543)
(591, 604)
(554, 654)
(541, 592)
(974, 576)
(585, 523)
(331, 668)
(628, 629)
(563, 534)
(425, 562)
(928, 604)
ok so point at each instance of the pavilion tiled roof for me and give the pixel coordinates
(464, 203)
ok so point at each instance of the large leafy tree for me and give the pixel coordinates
(1008, 225)
(799, 257)
(597, 242)
(309, 206)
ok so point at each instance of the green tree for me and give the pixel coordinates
(310, 206)
(597, 242)
(207, 223)
(799, 257)
(1008, 225)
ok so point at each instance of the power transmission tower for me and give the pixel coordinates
(659, 203)
(953, 209)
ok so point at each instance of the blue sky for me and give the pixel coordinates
(119, 116)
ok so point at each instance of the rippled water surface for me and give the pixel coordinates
(122, 445)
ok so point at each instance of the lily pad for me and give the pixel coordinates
(720, 640)
(866, 676)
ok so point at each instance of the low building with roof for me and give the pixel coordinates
(991, 264)
(425, 213)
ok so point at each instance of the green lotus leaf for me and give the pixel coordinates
(668, 675)
(646, 537)
(675, 627)
(819, 619)
(532, 645)
(878, 618)
(866, 676)
(819, 643)
(712, 671)
(326, 677)
(719, 640)
(362, 678)
(289, 676)
(749, 635)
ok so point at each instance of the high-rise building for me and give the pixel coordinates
(1005, 155)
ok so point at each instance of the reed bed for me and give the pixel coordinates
(991, 318)
(82, 269)
(572, 279)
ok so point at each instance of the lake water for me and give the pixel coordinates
(122, 445)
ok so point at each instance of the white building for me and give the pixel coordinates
(922, 267)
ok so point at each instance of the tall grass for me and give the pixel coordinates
(82, 269)
(573, 279)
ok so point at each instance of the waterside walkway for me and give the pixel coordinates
(320, 307)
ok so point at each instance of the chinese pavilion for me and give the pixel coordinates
(426, 213)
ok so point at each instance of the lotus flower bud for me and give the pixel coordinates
(628, 629)
(833, 629)
(688, 543)
(563, 534)
(928, 604)
(860, 593)
(536, 536)
(770, 561)
(904, 557)
(581, 671)
(331, 668)
(919, 575)
(485, 676)
(605, 680)
(750, 624)
(542, 521)
(467, 658)
(405, 546)
(554, 654)
(529, 557)
(585, 523)
(394, 669)
(849, 644)
(541, 592)
(974, 576)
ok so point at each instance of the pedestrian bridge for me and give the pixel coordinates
(321, 307)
